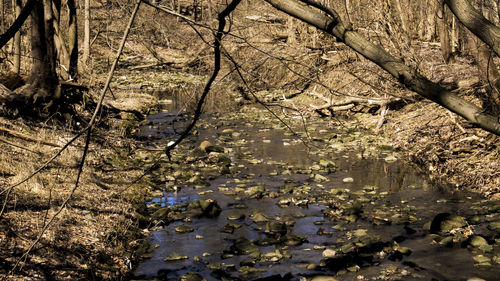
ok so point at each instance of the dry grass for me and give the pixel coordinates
(90, 237)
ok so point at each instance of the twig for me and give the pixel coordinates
(453, 119)
(381, 120)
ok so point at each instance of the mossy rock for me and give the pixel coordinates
(445, 222)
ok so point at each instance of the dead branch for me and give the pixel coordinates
(18, 145)
(26, 137)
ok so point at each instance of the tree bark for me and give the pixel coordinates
(43, 80)
(329, 21)
(476, 23)
(444, 33)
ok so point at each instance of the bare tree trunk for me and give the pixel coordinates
(431, 17)
(43, 79)
(72, 38)
(54, 17)
(402, 16)
(86, 33)
(489, 75)
(444, 33)
(2, 17)
(17, 39)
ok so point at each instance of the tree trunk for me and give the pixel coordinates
(476, 23)
(17, 39)
(489, 75)
(444, 33)
(72, 39)
(2, 16)
(43, 80)
(86, 36)
(329, 21)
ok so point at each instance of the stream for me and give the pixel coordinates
(249, 201)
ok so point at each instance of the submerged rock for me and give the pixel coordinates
(278, 228)
(329, 254)
(192, 277)
(184, 228)
(477, 241)
(175, 257)
(243, 246)
(258, 216)
(495, 226)
(272, 256)
(323, 278)
(236, 217)
(203, 208)
(203, 146)
(482, 260)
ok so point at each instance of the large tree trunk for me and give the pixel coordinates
(43, 80)
(329, 21)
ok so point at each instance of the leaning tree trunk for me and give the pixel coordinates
(328, 20)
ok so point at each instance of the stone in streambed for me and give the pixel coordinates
(243, 246)
(230, 227)
(192, 277)
(482, 260)
(480, 243)
(329, 254)
(258, 216)
(278, 228)
(445, 222)
(175, 257)
(184, 228)
(203, 208)
(204, 144)
(495, 226)
(233, 217)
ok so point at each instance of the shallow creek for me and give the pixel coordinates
(292, 212)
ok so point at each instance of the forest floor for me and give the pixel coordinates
(101, 232)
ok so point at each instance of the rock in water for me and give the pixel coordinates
(444, 222)
(203, 146)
